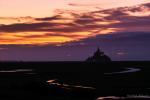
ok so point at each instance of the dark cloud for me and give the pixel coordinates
(84, 22)
(25, 27)
(43, 26)
(122, 15)
(124, 37)
(139, 23)
(57, 17)
(134, 44)
(147, 5)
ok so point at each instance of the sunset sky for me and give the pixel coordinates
(64, 29)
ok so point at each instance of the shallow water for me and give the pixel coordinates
(16, 70)
(75, 81)
(141, 97)
(127, 70)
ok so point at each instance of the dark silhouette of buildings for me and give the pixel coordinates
(99, 56)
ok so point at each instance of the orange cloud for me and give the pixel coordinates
(69, 26)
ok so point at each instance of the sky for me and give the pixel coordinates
(64, 30)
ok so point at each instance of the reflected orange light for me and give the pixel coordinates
(50, 81)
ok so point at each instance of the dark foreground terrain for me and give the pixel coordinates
(74, 81)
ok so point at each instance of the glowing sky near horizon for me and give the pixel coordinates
(41, 22)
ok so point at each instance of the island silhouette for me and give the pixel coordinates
(99, 56)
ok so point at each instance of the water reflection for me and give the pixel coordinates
(16, 70)
(67, 86)
(127, 70)
(130, 97)
(109, 98)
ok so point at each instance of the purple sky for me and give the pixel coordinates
(69, 30)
